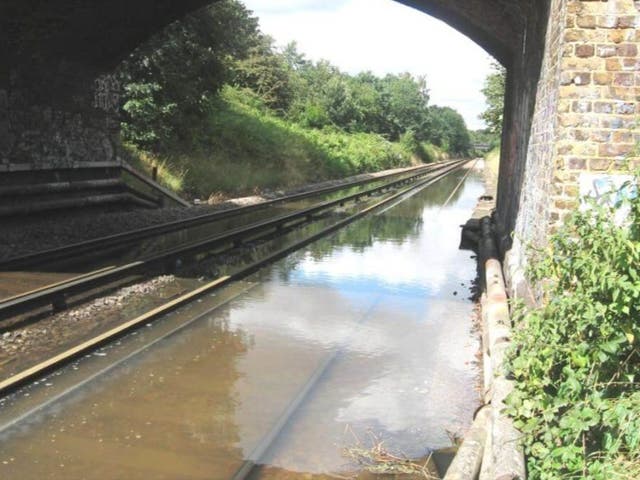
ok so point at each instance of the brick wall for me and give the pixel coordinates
(599, 95)
(523, 80)
(533, 214)
(585, 118)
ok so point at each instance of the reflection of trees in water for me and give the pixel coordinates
(379, 228)
(397, 224)
(358, 236)
(439, 192)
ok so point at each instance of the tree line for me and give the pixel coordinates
(171, 80)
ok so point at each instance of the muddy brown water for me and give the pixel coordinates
(387, 298)
(19, 282)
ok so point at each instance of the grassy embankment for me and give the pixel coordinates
(491, 170)
(492, 161)
(244, 148)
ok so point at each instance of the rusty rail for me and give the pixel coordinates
(57, 293)
(14, 382)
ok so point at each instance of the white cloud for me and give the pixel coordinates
(288, 6)
(385, 37)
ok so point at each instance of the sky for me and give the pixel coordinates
(383, 36)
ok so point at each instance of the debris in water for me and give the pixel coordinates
(377, 460)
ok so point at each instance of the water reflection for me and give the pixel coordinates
(380, 295)
(167, 415)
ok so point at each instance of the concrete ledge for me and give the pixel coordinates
(154, 185)
(27, 167)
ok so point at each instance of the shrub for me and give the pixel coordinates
(576, 358)
(243, 146)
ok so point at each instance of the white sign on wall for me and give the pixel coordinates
(607, 189)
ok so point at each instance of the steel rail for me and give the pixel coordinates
(54, 293)
(266, 442)
(125, 238)
(16, 381)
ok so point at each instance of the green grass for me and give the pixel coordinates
(433, 153)
(493, 157)
(244, 148)
(144, 162)
(492, 163)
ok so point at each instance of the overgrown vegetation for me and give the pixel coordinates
(245, 147)
(224, 109)
(576, 358)
(493, 91)
(487, 140)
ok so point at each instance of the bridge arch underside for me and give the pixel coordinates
(58, 107)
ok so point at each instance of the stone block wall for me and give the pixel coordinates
(56, 105)
(585, 119)
(4, 126)
(57, 117)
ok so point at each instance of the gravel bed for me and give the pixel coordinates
(32, 234)
(25, 346)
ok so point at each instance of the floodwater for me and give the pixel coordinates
(19, 282)
(363, 337)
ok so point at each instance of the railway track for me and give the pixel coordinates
(24, 405)
(38, 270)
(15, 381)
(77, 252)
(58, 294)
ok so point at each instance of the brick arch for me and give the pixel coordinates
(495, 25)
(55, 50)
(101, 33)
(571, 103)
(58, 49)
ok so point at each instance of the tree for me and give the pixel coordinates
(313, 84)
(295, 59)
(493, 91)
(366, 91)
(449, 130)
(267, 73)
(405, 100)
(169, 80)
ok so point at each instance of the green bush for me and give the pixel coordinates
(576, 359)
(243, 146)
(410, 143)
